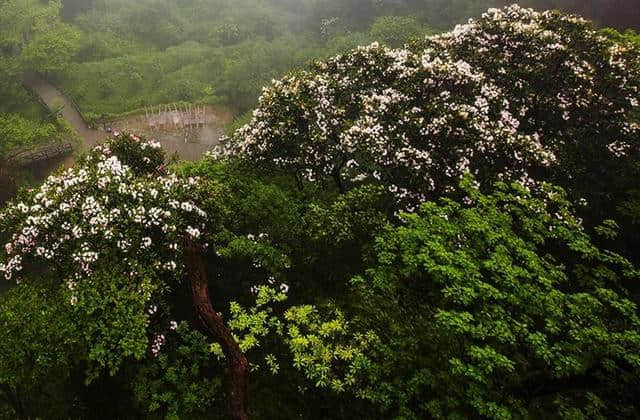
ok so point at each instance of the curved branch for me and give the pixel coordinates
(215, 326)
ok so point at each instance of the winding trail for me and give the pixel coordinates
(52, 97)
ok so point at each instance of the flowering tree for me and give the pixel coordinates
(515, 94)
(122, 232)
(576, 90)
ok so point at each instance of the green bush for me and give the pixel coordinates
(16, 131)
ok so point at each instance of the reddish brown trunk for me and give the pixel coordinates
(213, 322)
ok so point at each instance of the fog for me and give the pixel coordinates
(116, 61)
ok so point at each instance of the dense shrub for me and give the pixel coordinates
(17, 131)
(499, 308)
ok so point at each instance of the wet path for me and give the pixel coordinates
(53, 98)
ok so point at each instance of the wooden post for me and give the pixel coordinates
(162, 114)
(194, 111)
(176, 117)
(185, 117)
(146, 113)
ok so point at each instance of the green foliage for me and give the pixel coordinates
(230, 33)
(396, 30)
(111, 316)
(251, 325)
(116, 84)
(325, 348)
(353, 217)
(33, 38)
(38, 353)
(52, 51)
(628, 36)
(16, 131)
(631, 207)
(175, 384)
(178, 50)
(265, 206)
(242, 44)
(492, 303)
(500, 308)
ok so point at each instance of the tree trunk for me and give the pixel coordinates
(338, 180)
(214, 324)
(13, 399)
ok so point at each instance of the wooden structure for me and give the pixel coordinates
(176, 116)
(29, 155)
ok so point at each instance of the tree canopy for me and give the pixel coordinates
(515, 93)
(499, 308)
(33, 38)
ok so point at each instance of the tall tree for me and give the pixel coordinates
(516, 94)
(120, 236)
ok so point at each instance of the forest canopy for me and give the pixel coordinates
(420, 223)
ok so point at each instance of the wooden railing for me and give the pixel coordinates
(67, 97)
(26, 156)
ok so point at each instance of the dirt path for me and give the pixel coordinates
(189, 145)
(52, 97)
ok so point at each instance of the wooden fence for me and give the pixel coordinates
(26, 156)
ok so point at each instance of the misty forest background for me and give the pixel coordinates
(114, 56)
(493, 302)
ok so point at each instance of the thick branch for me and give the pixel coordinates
(338, 179)
(214, 324)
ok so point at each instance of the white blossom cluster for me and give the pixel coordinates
(506, 96)
(578, 92)
(101, 209)
(158, 341)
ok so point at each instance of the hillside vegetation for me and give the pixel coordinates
(134, 54)
(114, 57)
